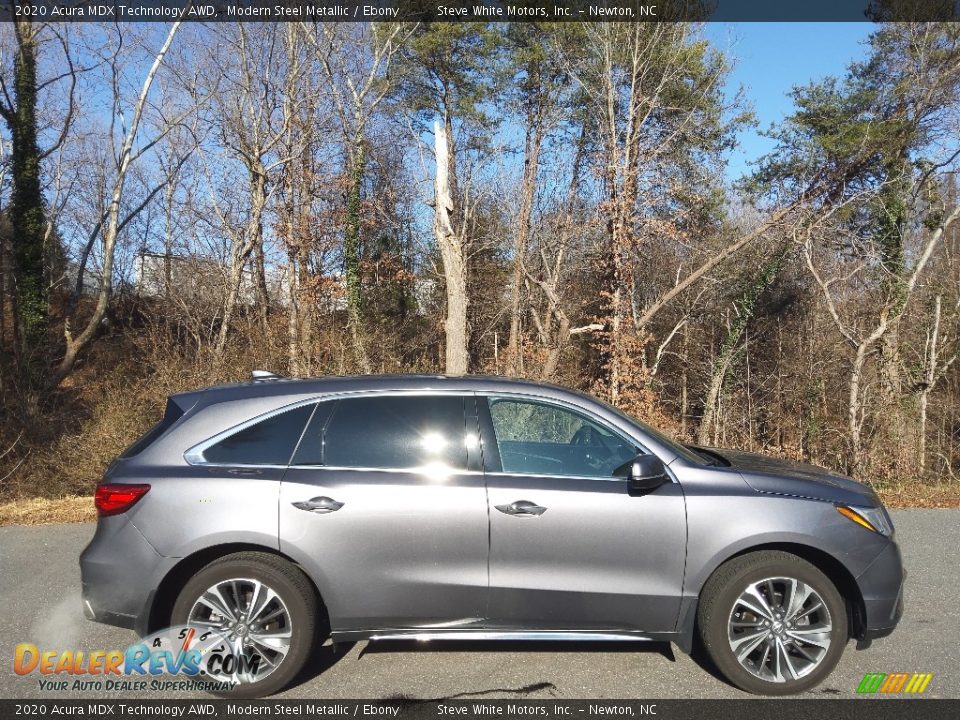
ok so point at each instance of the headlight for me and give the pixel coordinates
(874, 518)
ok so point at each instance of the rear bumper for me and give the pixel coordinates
(881, 586)
(118, 572)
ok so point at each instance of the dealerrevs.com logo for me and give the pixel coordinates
(179, 658)
(894, 683)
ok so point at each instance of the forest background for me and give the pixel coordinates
(183, 203)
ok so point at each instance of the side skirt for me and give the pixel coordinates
(428, 634)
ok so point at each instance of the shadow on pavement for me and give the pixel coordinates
(321, 660)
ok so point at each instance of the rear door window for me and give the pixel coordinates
(404, 432)
(268, 442)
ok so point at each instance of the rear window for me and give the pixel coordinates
(392, 432)
(173, 413)
(268, 442)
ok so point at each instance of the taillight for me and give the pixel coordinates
(113, 498)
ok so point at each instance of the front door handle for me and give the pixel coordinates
(244, 472)
(319, 505)
(522, 508)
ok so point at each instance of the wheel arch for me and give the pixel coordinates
(826, 563)
(169, 587)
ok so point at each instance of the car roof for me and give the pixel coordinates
(279, 386)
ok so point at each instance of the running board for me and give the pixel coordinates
(538, 635)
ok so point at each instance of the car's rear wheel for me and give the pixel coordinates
(264, 609)
(772, 623)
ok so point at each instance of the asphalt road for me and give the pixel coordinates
(40, 590)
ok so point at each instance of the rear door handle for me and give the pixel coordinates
(245, 472)
(320, 505)
(522, 508)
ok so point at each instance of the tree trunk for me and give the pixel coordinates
(453, 176)
(238, 259)
(922, 432)
(243, 249)
(555, 340)
(168, 243)
(712, 401)
(855, 408)
(305, 304)
(746, 308)
(26, 201)
(894, 426)
(531, 162)
(622, 205)
(351, 253)
(8, 324)
(622, 165)
(454, 260)
(684, 381)
(293, 315)
(556, 349)
(262, 293)
(931, 374)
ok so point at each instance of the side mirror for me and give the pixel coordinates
(645, 473)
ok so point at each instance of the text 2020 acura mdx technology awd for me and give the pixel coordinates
(278, 511)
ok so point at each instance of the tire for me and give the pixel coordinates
(294, 612)
(798, 646)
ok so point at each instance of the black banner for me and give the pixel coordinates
(480, 11)
(788, 709)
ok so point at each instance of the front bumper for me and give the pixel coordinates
(881, 586)
(118, 572)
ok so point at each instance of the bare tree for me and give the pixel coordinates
(863, 341)
(539, 95)
(113, 219)
(744, 309)
(940, 353)
(630, 74)
(255, 120)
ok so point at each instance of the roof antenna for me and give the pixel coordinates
(263, 376)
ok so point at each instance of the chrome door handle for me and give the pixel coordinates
(244, 472)
(319, 505)
(522, 508)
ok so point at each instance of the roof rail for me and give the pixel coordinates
(263, 376)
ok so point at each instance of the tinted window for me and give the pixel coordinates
(268, 442)
(544, 439)
(396, 432)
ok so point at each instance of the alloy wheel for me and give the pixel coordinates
(779, 629)
(254, 623)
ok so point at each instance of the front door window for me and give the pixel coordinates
(537, 438)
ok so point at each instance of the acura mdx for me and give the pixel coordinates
(278, 513)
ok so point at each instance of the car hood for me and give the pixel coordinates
(786, 477)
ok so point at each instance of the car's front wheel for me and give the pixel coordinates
(260, 612)
(772, 623)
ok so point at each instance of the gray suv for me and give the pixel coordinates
(278, 513)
